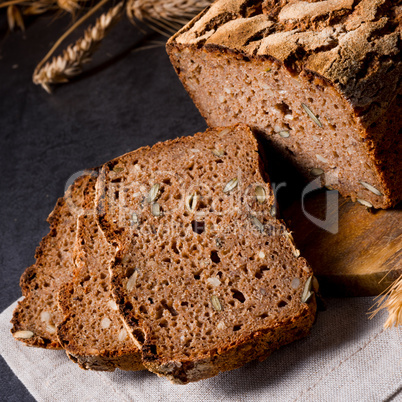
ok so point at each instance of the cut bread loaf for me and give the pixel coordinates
(92, 332)
(321, 79)
(205, 278)
(36, 317)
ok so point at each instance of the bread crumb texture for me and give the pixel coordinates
(213, 280)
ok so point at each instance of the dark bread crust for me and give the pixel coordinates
(351, 48)
(239, 346)
(258, 345)
(366, 69)
(54, 266)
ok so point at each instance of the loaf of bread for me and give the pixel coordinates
(36, 317)
(205, 278)
(321, 79)
(92, 332)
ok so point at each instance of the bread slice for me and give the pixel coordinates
(205, 278)
(92, 332)
(36, 317)
(321, 79)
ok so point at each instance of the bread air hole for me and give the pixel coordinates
(282, 303)
(163, 324)
(198, 227)
(174, 247)
(215, 257)
(127, 307)
(129, 272)
(283, 108)
(238, 295)
(139, 335)
(260, 271)
(169, 308)
(85, 279)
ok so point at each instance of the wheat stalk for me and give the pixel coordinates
(11, 2)
(61, 68)
(165, 16)
(392, 301)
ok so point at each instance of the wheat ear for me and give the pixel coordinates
(61, 68)
(14, 18)
(392, 301)
(69, 5)
(39, 7)
(164, 16)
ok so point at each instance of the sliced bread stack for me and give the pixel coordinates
(67, 300)
(203, 278)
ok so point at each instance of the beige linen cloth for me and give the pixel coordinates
(347, 357)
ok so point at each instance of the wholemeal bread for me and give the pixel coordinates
(92, 332)
(321, 79)
(205, 278)
(36, 317)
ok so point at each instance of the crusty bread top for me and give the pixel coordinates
(355, 45)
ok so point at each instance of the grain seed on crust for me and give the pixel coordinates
(307, 293)
(370, 188)
(231, 185)
(153, 193)
(260, 194)
(216, 304)
(23, 334)
(311, 115)
(365, 203)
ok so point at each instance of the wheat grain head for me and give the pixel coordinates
(65, 66)
(392, 301)
(165, 16)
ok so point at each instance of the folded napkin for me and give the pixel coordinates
(347, 357)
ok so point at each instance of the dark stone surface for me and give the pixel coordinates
(132, 98)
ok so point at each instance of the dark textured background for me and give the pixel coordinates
(132, 98)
